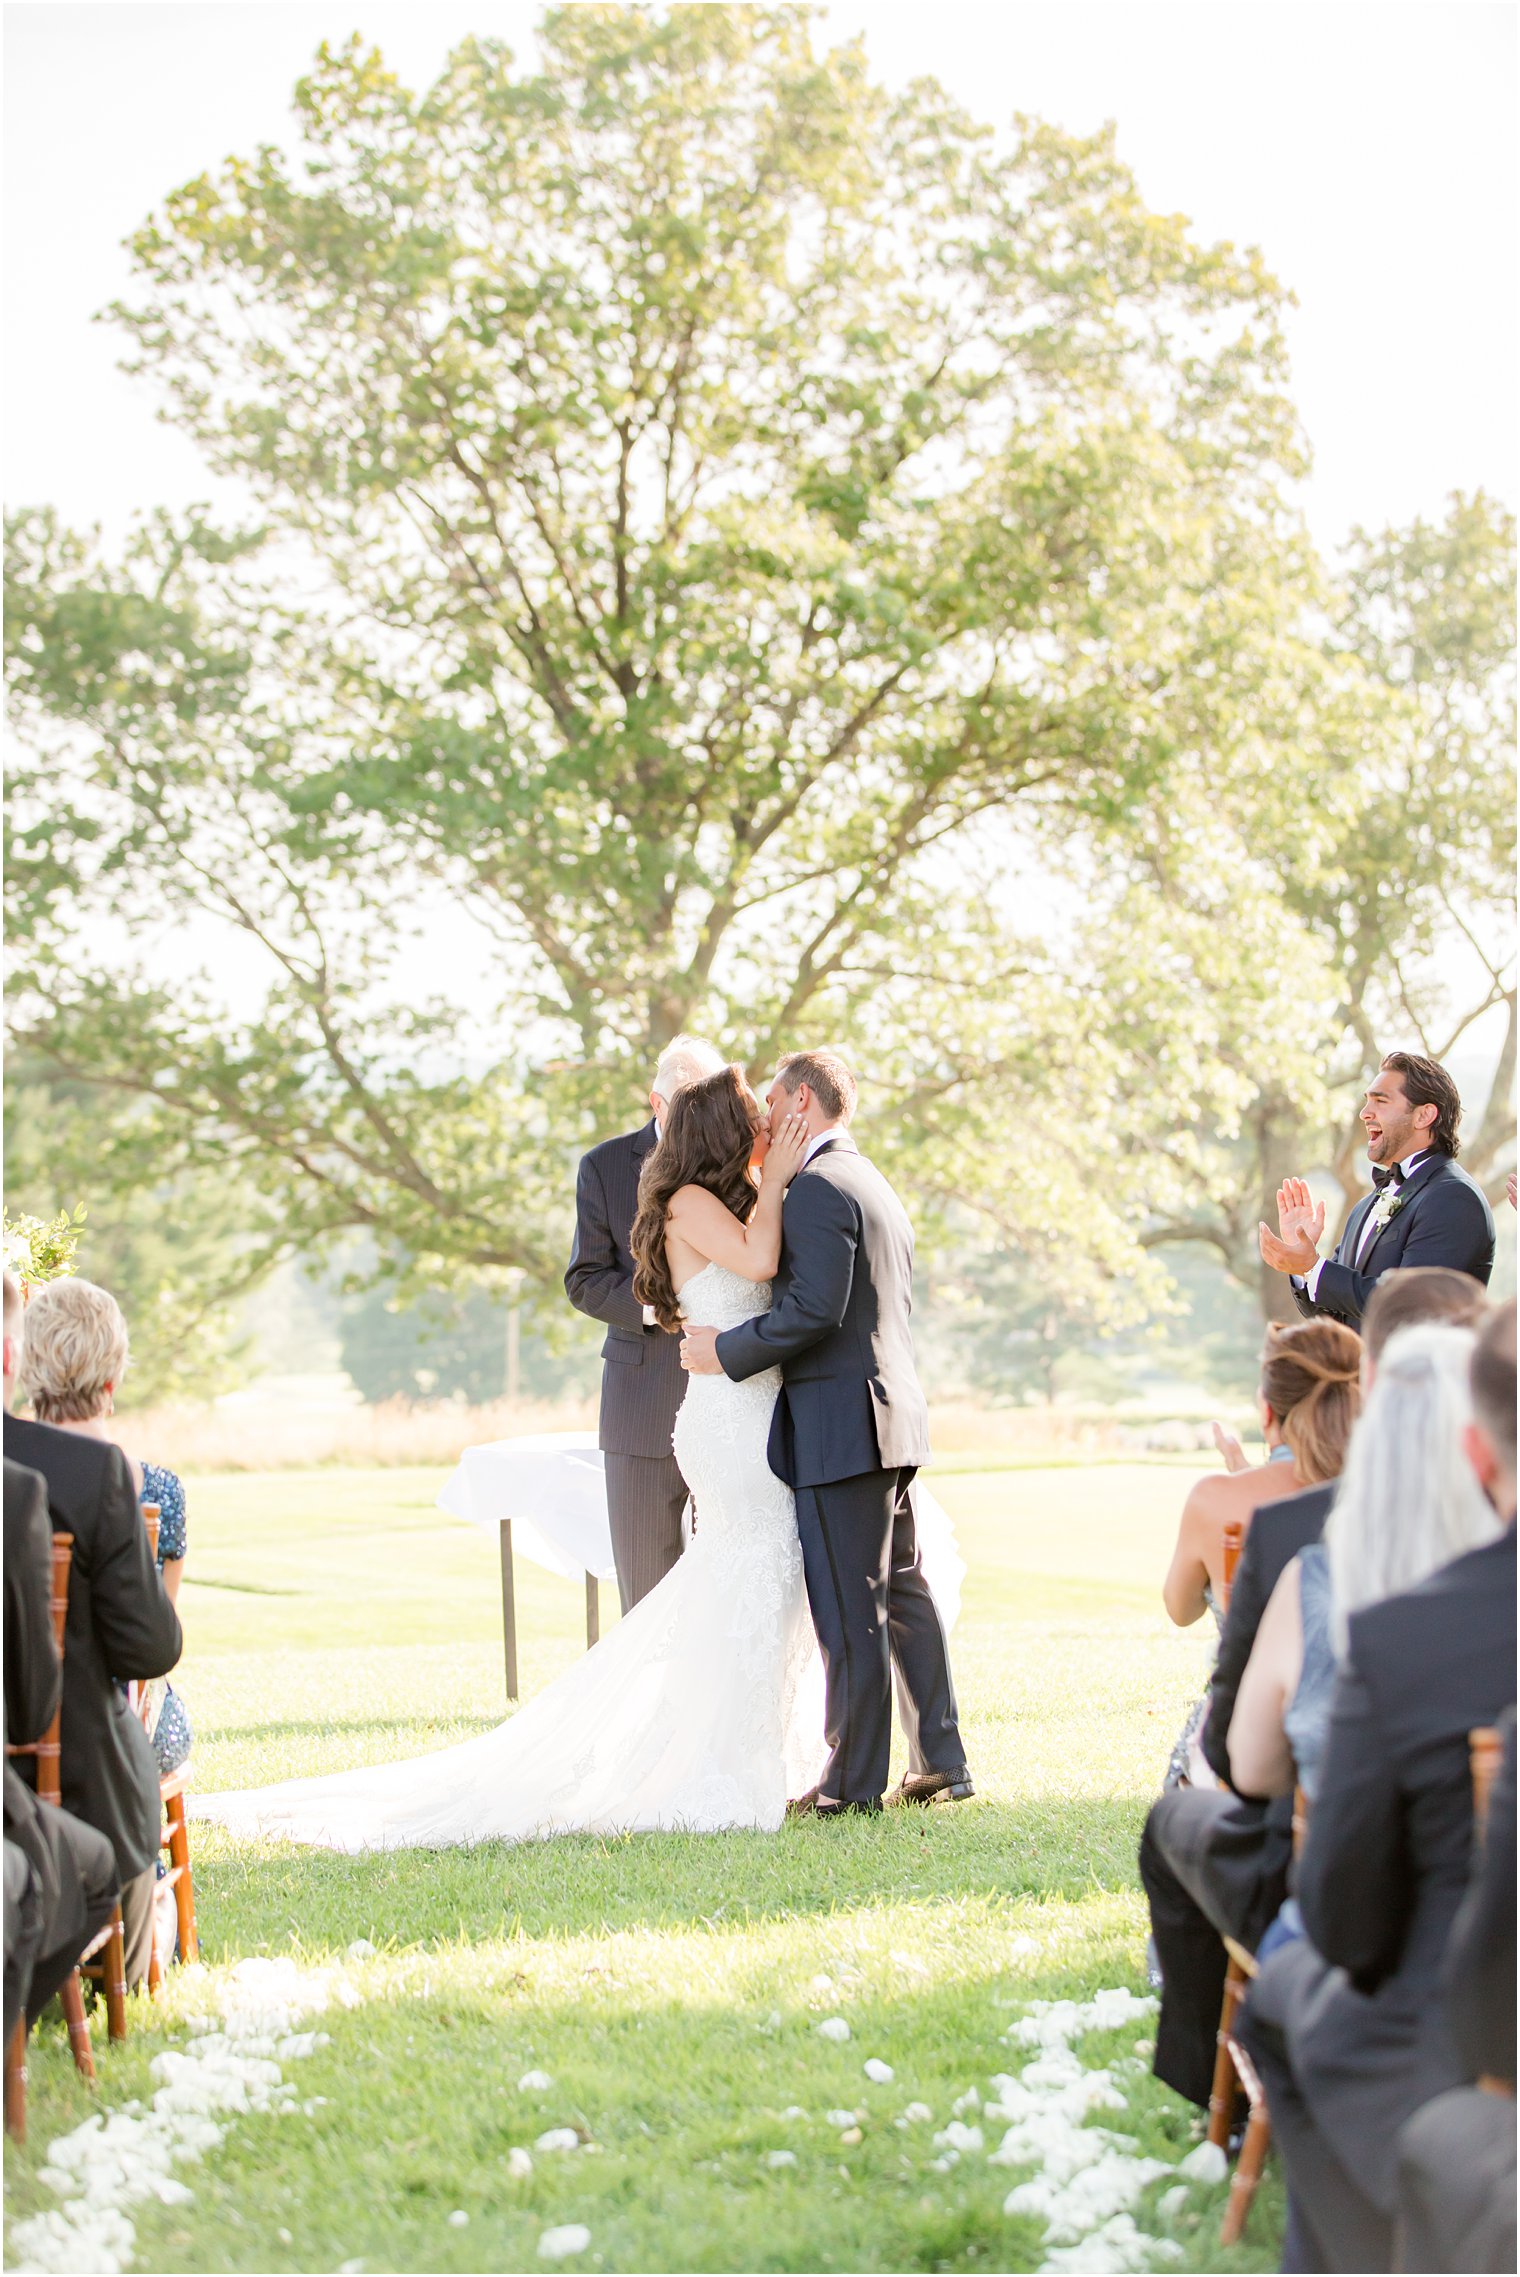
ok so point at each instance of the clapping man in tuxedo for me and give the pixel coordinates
(1423, 1209)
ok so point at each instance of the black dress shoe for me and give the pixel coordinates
(823, 1808)
(924, 1787)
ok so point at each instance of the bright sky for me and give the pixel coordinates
(1368, 149)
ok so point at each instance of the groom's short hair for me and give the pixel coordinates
(826, 1075)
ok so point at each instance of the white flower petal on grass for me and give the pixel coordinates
(350, 2269)
(970, 2101)
(781, 2158)
(1018, 1948)
(558, 2139)
(840, 2118)
(877, 2070)
(1207, 2164)
(360, 1950)
(794, 2111)
(1115, 2245)
(916, 2114)
(519, 2164)
(958, 2137)
(833, 2028)
(563, 2243)
(909, 1961)
(852, 2135)
(534, 2083)
(820, 1983)
(943, 2165)
(1171, 2202)
(459, 2219)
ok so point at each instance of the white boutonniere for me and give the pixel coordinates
(1387, 1207)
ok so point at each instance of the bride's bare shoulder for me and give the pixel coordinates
(694, 1202)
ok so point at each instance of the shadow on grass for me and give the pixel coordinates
(251, 1895)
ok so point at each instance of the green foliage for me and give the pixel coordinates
(442, 1347)
(174, 1250)
(773, 557)
(41, 1249)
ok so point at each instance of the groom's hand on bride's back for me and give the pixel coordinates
(699, 1352)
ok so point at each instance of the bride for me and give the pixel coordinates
(703, 1708)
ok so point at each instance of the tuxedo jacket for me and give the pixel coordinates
(120, 1625)
(1276, 1534)
(1390, 1844)
(850, 1399)
(1444, 1220)
(643, 1382)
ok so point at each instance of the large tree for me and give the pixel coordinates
(738, 534)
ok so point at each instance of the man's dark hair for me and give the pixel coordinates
(1493, 1381)
(1412, 1293)
(1427, 1084)
(826, 1075)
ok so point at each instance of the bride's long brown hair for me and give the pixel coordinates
(708, 1139)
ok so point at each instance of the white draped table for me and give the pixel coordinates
(546, 1495)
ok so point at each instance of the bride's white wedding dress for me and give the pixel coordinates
(702, 1709)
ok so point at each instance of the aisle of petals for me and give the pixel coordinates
(116, 2160)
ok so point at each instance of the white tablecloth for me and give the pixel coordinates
(552, 1486)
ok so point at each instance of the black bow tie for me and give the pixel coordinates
(1393, 1177)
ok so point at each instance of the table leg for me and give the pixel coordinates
(508, 1608)
(593, 1611)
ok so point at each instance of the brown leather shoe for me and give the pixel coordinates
(925, 1787)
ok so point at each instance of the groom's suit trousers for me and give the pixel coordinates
(874, 1615)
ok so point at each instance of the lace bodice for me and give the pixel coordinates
(717, 1298)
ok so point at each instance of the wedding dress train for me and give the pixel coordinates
(701, 1710)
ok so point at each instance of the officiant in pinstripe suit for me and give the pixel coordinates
(642, 1379)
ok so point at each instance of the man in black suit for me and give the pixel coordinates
(1347, 2026)
(65, 1873)
(120, 1625)
(642, 1383)
(1456, 2203)
(1423, 1209)
(1215, 1863)
(849, 1432)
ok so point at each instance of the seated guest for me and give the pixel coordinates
(1307, 1399)
(120, 1625)
(1456, 2191)
(64, 1872)
(1407, 1505)
(1423, 1209)
(1347, 2026)
(1310, 1378)
(76, 1355)
(1219, 1866)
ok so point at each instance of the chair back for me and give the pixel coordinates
(1234, 1543)
(141, 1694)
(47, 1750)
(1485, 1752)
(1300, 1821)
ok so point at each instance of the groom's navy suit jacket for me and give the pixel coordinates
(1444, 1220)
(838, 1327)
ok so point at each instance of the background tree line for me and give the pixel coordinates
(782, 560)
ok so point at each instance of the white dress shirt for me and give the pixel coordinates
(1367, 1236)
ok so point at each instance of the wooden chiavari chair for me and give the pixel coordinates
(47, 1753)
(175, 1833)
(1485, 1753)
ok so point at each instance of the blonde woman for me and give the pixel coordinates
(1308, 1398)
(76, 1355)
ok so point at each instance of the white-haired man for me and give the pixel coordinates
(642, 1379)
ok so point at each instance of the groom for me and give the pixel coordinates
(849, 1432)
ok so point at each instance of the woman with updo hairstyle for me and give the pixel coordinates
(75, 1355)
(1309, 1397)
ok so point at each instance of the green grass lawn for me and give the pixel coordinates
(670, 1986)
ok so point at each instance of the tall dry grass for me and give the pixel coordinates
(428, 1434)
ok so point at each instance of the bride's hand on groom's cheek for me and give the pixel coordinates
(699, 1352)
